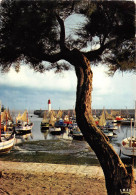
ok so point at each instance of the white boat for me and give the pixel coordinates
(45, 122)
(55, 130)
(108, 133)
(110, 126)
(6, 144)
(102, 120)
(23, 126)
(60, 123)
(6, 120)
(128, 145)
(77, 134)
(113, 121)
(102, 125)
(127, 121)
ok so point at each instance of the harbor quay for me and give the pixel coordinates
(44, 178)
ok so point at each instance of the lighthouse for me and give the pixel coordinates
(49, 105)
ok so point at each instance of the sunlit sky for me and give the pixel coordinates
(31, 90)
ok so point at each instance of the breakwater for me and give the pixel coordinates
(123, 112)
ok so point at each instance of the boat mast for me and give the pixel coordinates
(0, 120)
(6, 119)
(134, 135)
(27, 117)
(131, 134)
(135, 121)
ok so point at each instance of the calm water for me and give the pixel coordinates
(44, 147)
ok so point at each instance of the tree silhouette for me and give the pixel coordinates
(34, 32)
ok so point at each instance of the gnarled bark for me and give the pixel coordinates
(117, 175)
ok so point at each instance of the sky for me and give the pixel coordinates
(31, 90)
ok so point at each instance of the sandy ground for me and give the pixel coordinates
(41, 179)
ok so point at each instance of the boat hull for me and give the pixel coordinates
(78, 137)
(22, 130)
(128, 147)
(44, 127)
(55, 131)
(6, 146)
(127, 122)
(128, 151)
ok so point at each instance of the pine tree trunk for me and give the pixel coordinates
(117, 175)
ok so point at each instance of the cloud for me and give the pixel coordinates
(102, 84)
(47, 81)
(113, 92)
(29, 89)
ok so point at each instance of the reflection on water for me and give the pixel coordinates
(41, 146)
(23, 138)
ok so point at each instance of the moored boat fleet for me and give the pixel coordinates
(106, 122)
(58, 123)
(10, 129)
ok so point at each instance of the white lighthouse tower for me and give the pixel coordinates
(49, 105)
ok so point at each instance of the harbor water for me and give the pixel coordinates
(43, 147)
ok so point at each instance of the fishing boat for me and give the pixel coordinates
(52, 118)
(108, 133)
(6, 120)
(102, 120)
(6, 144)
(58, 128)
(128, 145)
(44, 125)
(96, 119)
(67, 120)
(55, 130)
(60, 123)
(106, 129)
(119, 119)
(110, 126)
(109, 117)
(77, 134)
(45, 122)
(48, 121)
(127, 121)
(23, 125)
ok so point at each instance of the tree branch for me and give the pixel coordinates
(66, 55)
(62, 32)
(52, 58)
(94, 55)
